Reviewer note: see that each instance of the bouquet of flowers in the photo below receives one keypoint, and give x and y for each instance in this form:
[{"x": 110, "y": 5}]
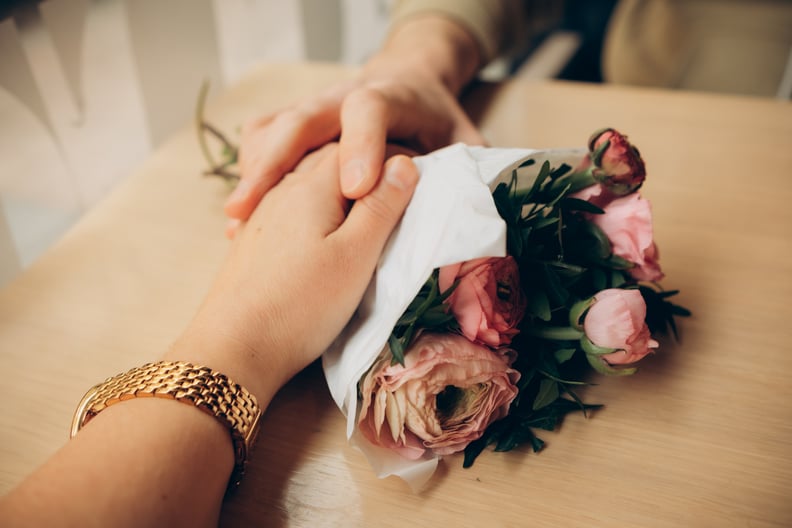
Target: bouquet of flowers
[
  {"x": 512, "y": 274},
  {"x": 492, "y": 345}
]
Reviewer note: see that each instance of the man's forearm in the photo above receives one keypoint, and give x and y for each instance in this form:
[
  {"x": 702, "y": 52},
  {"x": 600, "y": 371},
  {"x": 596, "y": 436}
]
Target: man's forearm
[{"x": 430, "y": 45}]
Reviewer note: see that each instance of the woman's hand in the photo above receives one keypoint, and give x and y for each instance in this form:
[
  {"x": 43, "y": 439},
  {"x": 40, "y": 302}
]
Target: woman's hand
[{"x": 296, "y": 272}]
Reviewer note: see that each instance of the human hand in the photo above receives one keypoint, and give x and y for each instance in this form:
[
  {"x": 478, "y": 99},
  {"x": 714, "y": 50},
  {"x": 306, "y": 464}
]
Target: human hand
[
  {"x": 418, "y": 112},
  {"x": 406, "y": 94},
  {"x": 297, "y": 270}
]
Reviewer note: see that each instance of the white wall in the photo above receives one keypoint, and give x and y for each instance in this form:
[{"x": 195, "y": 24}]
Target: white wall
[{"x": 89, "y": 87}]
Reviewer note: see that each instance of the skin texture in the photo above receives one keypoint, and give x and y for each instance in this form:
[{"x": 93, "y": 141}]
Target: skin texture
[
  {"x": 407, "y": 93},
  {"x": 264, "y": 319}
]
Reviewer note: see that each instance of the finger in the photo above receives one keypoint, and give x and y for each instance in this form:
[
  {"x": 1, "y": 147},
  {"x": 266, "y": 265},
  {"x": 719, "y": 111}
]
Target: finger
[
  {"x": 466, "y": 132},
  {"x": 274, "y": 155},
  {"x": 231, "y": 228},
  {"x": 313, "y": 159},
  {"x": 373, "y": 217},
  {"x": 364, "y": 129},
  {"x": 274, "y": 149}
]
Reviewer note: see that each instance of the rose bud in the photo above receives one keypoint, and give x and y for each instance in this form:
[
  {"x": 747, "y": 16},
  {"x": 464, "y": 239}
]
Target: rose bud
[
  {"x": 627, "y": 222},
  {"x": 617, "y": 163},
  {"x": 488, "y": 302},
  {"x": 616, "y": 320},
  {"x": 444, "y": 397}
]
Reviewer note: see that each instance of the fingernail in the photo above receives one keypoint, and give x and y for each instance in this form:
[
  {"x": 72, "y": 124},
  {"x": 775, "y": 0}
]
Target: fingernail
[
  {"x": 396, "y": 175},
  {"x": 231, "y": 228},
  {"x": 352, "y": 175}
]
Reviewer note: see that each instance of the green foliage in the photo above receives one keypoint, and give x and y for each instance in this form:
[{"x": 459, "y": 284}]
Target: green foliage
[
  {"x": 564, "y": 261},
  {"x": 427, "y": 311}
]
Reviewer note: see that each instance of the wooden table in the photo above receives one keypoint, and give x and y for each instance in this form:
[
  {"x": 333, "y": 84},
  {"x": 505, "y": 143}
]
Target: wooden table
[{"x": 700, "y": 437}]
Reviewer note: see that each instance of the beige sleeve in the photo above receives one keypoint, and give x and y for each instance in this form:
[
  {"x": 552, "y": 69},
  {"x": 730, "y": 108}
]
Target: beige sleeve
[{"x": 497, "y": 25}]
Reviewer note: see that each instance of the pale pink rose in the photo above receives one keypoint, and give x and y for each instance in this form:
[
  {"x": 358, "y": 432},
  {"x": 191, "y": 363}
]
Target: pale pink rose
[
  {"x": 627, "y": 222},
  {"x": 617, "y": 320},
  {"x": 620, "y": 168},
  {"x": 488, "y": 303},
  {"x": 444, "y": 397}
]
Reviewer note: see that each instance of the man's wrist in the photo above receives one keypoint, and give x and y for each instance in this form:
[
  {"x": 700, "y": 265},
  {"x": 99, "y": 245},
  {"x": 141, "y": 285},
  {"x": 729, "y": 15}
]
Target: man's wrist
[{"x": 430, "y": 45}]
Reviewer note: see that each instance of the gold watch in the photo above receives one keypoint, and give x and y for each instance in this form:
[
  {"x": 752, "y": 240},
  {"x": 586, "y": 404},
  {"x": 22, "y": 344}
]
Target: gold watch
[{"x": 210, "y": 391}]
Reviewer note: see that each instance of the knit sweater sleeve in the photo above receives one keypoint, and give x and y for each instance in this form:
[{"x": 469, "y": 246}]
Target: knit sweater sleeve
[{"x": 494, "y": 24}]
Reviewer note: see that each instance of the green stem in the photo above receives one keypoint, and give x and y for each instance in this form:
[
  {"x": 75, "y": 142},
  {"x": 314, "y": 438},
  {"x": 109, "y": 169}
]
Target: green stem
[
  {"x": 557, "y": 333},
  {"x": 199, "y": 123}
]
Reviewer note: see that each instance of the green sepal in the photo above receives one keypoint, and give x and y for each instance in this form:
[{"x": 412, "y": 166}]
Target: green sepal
[
  {"x": 577, "y": 311},
  {"x": 595, "y": 350},
  {"x": 596, "y": 154},
  {"x": 599, "y": 364}
]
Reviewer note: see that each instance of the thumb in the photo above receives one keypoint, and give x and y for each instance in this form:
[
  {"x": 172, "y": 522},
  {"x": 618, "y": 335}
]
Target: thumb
[{"x": 373, "y": 217}]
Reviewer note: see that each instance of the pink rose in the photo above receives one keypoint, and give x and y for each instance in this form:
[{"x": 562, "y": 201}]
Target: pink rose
[
  {"x": 488, "y": 302},
  {"x": 446, "y": 394},
  {"x": 618, "y": 166},
  {"x": 617, "y": 320},
  {"x": 627, "y": 222}
]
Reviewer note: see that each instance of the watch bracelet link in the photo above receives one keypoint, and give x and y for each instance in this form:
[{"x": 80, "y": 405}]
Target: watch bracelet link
[{"x": 210, "y": 391}]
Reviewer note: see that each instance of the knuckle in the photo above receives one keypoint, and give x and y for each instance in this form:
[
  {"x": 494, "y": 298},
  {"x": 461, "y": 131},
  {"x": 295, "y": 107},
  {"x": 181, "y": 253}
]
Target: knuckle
[
  {"x": 367, "y": 97},
  {"x": 380, "y": 208}
]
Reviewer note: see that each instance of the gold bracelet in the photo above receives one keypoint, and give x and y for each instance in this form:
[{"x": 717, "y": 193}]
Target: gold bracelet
[{"x": 207, "y": 390}]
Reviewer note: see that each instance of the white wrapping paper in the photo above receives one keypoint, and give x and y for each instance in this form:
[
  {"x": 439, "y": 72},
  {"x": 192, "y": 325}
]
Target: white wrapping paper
[{"x": 451, "y": 218}]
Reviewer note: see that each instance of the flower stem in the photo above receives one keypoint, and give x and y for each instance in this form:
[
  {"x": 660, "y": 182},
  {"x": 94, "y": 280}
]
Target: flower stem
[{"x": 557, "y": 333}]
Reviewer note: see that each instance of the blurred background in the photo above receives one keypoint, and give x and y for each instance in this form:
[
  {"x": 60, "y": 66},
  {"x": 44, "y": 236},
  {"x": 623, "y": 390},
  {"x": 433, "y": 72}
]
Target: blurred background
[{"x": 88, "y": 88}]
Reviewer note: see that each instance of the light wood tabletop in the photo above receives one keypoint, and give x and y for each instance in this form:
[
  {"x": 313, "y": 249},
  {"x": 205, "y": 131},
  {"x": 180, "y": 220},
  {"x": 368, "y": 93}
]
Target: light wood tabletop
[{"x": 701, "y": 436}]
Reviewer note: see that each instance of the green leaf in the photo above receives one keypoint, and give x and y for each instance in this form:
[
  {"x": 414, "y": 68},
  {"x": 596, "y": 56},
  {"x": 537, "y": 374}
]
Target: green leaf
[
  {"x": 617, "y": 279},
  {"x": 474, "y": 449},
  {"x": 435, "y": 316},
  {"x": 539, "y": 223},
  {"x": 548, "y": 393},
  {"x": 562, "y": 355},
  {"x": 578, "y": 182},
  {"x": 564, "y": 269},
  {"x": 598, "y": 280},
  {"x": 556, "y": 292},
  {"x": 522, "y": 195},
  {"x": 397, "y": 351},
  {"x": 603, "y": 247},
  {"x": 539, "y": 305},
  {"x": 560, "y": 171},
  {"x": 619, "y": 263}
]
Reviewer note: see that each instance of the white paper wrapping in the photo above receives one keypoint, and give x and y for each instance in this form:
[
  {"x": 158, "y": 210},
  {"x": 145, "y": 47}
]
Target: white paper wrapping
[{"x": 451, "y": 218}]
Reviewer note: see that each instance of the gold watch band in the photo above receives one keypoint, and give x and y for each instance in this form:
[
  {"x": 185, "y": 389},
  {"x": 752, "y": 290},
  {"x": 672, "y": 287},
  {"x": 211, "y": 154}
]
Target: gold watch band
[{"x": 202, "y": 387}]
